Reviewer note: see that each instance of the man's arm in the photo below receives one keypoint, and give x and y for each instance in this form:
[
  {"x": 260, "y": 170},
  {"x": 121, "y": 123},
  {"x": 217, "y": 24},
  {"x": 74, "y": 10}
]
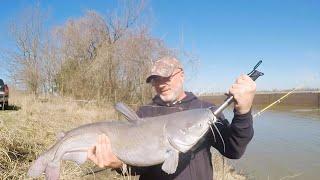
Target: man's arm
[{"x": 238, "y": 134}]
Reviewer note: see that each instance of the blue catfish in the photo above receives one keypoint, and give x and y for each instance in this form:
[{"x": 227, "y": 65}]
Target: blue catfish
[{"x": 137, "y": 142}]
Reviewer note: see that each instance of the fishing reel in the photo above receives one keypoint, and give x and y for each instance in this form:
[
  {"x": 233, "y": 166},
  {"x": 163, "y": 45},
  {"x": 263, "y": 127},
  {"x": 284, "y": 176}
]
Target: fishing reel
[{"x": 254, "y": 74}]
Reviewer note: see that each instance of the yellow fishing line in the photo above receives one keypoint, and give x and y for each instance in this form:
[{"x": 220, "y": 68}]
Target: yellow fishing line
[{"x": 275, "y": 102}]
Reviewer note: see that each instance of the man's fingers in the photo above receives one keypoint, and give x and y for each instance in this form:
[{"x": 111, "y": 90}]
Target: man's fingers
[
  {"x": 243, "y": 91},
  {"x": 238, "y": 80},
  {"x": 102, "y": 154},
  {"x": 99, "y": 152},
  {"x": 92, "y": 154},
  {"x": 237, "y": 88},
  {"x": 106, "y": 139},
  {"x": 103, "y": 147},
  {"x": 246, "y": 77}
]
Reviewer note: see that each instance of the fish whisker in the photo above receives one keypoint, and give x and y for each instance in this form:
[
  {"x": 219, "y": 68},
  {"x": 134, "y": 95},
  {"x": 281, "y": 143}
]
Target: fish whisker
[
  {"x": 224, "y": 146},
  {"x": 214, "y": 136}
]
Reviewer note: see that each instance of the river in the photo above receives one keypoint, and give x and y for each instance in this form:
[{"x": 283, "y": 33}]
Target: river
[{"x": 286, "y": 145}]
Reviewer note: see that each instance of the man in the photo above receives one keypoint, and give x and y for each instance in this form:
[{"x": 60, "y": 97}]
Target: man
[{"x": 167, "y": 79}]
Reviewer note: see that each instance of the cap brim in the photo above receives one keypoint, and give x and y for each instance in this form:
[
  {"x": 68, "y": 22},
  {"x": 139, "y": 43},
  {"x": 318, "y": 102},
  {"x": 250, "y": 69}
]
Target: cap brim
[
  {"x": 166, "y": 73},
  {"x": 148, "y": 80}
]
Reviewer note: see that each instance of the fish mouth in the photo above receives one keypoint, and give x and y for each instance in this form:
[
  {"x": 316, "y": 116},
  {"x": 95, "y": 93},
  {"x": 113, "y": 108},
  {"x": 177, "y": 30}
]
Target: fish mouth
[{"x": 184, "y": 147}]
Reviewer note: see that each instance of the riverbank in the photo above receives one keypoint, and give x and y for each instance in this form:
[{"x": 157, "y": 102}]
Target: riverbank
[{"x": 296, "y": 99}]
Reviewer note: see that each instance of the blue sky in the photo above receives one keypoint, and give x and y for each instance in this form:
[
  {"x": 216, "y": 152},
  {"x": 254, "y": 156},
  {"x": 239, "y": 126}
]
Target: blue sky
[{"x": 228, "y": 37}]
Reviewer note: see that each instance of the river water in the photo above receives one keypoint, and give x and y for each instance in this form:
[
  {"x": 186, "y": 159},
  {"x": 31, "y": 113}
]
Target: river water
[{"x": 286, "y": 145}]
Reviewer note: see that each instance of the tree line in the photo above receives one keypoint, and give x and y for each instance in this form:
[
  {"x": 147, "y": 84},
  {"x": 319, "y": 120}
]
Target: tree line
[{"x": 95, "y": 56}]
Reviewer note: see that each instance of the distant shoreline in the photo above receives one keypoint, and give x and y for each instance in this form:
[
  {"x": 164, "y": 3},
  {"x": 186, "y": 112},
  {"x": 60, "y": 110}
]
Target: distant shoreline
[{"x": 299, "y": 98}]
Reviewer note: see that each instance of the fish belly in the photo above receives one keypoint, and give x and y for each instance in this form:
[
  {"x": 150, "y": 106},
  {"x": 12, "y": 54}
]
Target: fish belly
[{"x": 138, "y": 146}]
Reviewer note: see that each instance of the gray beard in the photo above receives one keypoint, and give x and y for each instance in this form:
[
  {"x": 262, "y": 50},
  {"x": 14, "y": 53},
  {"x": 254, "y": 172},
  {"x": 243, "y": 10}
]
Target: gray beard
[{"x": 173, "y": 97}]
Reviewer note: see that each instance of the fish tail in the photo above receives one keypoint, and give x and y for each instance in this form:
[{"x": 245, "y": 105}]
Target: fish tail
[
  {"x": 53, "y": 171},
  {"x": 40, "y": 165}
]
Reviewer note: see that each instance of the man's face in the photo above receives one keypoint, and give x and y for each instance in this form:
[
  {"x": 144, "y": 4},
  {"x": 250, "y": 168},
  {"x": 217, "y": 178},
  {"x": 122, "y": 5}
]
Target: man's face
[{"x": 169, "y": 88}]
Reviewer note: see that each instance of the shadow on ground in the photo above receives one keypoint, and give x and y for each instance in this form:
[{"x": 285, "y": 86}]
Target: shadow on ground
[{"x": 11, "y": 107}]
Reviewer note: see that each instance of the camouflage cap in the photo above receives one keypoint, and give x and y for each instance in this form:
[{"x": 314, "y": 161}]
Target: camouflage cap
[{"x": 163, "y": 67}]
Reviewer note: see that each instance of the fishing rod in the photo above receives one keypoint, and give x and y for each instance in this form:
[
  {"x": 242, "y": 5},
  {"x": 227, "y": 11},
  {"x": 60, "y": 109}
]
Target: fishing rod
[
  {"x": 254, "y": 74},
  {"x": 275, "y": 102},
  {"x": 283, "y": 97}
]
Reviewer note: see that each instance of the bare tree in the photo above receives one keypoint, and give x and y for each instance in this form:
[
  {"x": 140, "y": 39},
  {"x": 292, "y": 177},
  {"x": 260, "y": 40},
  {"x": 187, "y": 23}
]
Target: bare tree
[
  {"x": 50, "y": 65},
  {"x": 78, "y": 41},
  {"x": 27, "y": 33},
  {"x": 91, "y": 57},
  {"x": 107, "y": 58}
]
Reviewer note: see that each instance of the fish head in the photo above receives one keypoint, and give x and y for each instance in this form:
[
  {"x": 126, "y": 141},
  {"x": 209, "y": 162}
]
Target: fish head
[{"x": 187, "y": 133}]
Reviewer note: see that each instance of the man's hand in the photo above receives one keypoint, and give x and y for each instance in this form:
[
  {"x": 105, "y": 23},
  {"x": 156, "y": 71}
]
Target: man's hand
[
  {"x": 102, "y": 155},
  {"x": 243, "y": 91}
]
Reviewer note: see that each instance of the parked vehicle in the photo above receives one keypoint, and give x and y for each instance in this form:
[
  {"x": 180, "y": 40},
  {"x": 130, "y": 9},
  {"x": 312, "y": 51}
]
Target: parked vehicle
[{"x": 4, "y": 95}]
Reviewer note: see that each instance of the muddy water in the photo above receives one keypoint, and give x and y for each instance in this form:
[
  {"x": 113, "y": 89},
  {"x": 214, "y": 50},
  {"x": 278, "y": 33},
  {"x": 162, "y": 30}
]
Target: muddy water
[{"x": 286, "y": 145}]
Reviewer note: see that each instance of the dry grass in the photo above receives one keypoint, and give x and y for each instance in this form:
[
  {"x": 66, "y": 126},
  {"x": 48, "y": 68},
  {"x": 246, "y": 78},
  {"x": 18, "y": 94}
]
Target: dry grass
[
  {"x": 28, "y": 131},
  {"x": 223, "y": 170},
  {"x": 31, "y": 129}
]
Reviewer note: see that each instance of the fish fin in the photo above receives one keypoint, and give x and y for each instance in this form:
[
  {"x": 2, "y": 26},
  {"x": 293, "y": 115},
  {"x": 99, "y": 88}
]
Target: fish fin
[
  {"x": 53, "y": 171},
  {"x": 129, "y": 113},
  {"x": 60, "y": 135},
  {"x": 174, "y": 145},
  {"x": 170, "y": 164},
  {"x": 79, "y": 157}
]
